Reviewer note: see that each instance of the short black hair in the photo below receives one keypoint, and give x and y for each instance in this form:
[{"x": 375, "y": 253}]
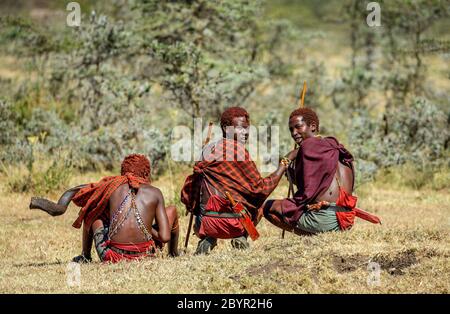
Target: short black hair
[{"x": 309, "y": 116}]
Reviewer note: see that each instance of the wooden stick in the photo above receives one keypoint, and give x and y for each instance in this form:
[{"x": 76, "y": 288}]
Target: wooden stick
[
  {"x": 302, "y": 97},
  {"x": 208, "y": 137},
  {"x": 302, "y": 104},
  {"x": 191, "y": 218}
]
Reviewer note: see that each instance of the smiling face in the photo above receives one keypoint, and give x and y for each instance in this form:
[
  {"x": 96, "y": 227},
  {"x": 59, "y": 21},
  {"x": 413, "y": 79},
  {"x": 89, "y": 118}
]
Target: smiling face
[
  {"x": 240, "y": 127},
  {"x": 300, "y": 130}
]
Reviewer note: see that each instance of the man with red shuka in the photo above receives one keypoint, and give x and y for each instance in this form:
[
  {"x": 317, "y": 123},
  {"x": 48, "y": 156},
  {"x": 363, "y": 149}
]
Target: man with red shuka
[
  {"x": 324, "y": 175},
  {"x": 118, "y": 212},
  {"x": 226, "y": 166}
]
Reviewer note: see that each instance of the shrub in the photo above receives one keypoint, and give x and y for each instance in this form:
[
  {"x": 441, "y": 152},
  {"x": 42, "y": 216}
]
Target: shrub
[
  {"x": 55, "y": 177},
  {"x": 8, "y": 127},
  {"x": 41, "y": 176},
  {"x": 411, "y": 176},
  {"x": 415, "y": 135}
]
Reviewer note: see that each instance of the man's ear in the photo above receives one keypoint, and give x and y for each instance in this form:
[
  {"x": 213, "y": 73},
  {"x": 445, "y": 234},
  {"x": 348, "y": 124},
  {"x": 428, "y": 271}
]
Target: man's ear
[{"x": 313, "y": 127}]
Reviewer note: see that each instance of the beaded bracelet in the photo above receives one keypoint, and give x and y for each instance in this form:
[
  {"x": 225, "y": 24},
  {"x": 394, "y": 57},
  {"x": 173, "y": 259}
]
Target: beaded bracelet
[{"x": 285, "y": 161}]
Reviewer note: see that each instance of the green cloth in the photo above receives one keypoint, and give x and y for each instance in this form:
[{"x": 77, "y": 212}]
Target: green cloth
[{"x": 323, "y": 220}]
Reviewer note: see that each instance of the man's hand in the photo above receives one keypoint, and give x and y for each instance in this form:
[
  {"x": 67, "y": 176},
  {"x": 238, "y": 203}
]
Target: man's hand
[
  {"x": 318, "y": 206},
  {"x": 81, "y": 259}
]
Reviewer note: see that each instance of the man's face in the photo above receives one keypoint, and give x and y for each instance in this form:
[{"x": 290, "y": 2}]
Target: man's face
[
  {"x": 241, "y": 128},
  {"x": 300, "y": 130}
]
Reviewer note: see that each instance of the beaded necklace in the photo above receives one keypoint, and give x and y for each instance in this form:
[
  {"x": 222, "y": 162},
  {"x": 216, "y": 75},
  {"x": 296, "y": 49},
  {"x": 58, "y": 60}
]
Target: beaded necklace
[{"x": 116, "y": 225}]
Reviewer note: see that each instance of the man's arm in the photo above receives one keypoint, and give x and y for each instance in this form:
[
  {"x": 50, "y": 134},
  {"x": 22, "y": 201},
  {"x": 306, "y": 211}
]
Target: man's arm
[
  {"x": 56, "y": 209},
  {"x": 269, "y": 183},
  {"x": 88, "y": 237},
  {"x": 163, "y": 232},
  {"x": 277, "y": 174}
]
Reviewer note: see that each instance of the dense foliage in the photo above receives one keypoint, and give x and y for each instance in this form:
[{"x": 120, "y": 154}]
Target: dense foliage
[{"x": 136, "y": 68}]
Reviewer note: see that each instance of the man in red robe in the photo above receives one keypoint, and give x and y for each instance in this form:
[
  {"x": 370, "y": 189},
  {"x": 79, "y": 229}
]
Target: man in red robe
[
  {"x": 226, "y": 167},
  {"x": 118, "y": 214},
  {"x": 324, "y": 175}
]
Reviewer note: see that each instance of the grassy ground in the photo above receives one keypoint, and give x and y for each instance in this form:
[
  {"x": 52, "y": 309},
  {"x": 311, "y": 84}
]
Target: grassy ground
[{"x": 411, "y": 248}]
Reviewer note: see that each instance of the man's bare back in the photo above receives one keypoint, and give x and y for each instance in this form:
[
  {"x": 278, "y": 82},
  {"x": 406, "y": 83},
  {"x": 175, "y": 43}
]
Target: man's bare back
[
  {"x": 150, "y": 204},
  {"x": 345, "y": 175}
]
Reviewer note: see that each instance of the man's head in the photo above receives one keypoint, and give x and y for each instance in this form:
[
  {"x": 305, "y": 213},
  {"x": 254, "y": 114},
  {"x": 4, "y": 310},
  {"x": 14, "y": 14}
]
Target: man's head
[
  {"x": 238, "y": 119},
  {"x": 137, "y": 164},
  {"x": 303, "y": 123}
]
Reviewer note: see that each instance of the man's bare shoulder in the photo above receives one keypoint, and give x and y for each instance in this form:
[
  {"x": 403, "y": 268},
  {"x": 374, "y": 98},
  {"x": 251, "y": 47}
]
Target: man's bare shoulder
[{"x": 150, "y": 189}]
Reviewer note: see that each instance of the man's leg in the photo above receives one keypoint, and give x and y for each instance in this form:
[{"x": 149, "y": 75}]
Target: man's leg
[
  {"x": 172, "y": 216},
  {"x": 241, "y": 242},
  {"x": 273, "y": 212},
  {"x": 206, "y": 245},
  {"x": 100, "y": 234}
]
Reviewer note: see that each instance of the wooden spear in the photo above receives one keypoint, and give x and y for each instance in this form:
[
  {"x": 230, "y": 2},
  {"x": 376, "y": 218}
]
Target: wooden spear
[{"x": 291, "y": 187}]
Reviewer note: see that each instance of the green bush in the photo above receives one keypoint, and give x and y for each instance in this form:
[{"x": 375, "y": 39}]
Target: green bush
[
  {"x": 18, "y": 179},
  {"x": 417, "y": 133},
  {"x": 41, "y": 180},
  {"x": 411, "y": 176},
  {"x": 416, "y": 136},
  {"x": 54, "y": 178},
  {"x": 441, "y": 180},
  {"x": 8, "y": 126}
]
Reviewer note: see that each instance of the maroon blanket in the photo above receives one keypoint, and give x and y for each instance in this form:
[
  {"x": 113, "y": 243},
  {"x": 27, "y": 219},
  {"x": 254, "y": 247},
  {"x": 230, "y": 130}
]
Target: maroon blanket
[{"x": 315, "y": 167}]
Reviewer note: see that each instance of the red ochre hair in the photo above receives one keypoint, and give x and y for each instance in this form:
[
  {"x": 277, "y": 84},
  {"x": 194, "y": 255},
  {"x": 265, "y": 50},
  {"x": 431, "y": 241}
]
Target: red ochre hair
[
  {"x": 227, "y": 116},
  {"x": 137, "y": 164},
  {"x": 309, "y": 116}
]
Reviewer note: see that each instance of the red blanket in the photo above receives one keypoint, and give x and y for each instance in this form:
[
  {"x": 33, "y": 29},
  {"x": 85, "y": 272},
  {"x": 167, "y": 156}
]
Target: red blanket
[
  {"x": 94, "y": 198},
  {"x": 221, "y": 228},
  {"x": 239, "y": 176}
]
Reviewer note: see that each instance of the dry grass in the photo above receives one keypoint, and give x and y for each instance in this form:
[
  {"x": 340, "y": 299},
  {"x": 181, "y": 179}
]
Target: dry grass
[
  {"x": 9, "y": 68},
  {"x": 411, "y": 248}
]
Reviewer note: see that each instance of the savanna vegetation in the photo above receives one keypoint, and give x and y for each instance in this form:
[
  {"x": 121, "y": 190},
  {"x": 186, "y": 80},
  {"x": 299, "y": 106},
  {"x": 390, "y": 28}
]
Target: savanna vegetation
[{"x": 75, "y": 100}]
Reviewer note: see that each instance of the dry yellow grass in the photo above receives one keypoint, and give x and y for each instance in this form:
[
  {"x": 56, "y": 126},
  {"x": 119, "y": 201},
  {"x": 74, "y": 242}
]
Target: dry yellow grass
[
  {"x": 9, "y": 68},
  {"x": 411, "y": 248}
]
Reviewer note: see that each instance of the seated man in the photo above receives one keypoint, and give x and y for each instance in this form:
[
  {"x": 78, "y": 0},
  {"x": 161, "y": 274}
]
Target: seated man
[
  {"x": 226, "y": 167},
  {"x": 324, "y": 175},
  {"x": 118, "y": 213}
]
